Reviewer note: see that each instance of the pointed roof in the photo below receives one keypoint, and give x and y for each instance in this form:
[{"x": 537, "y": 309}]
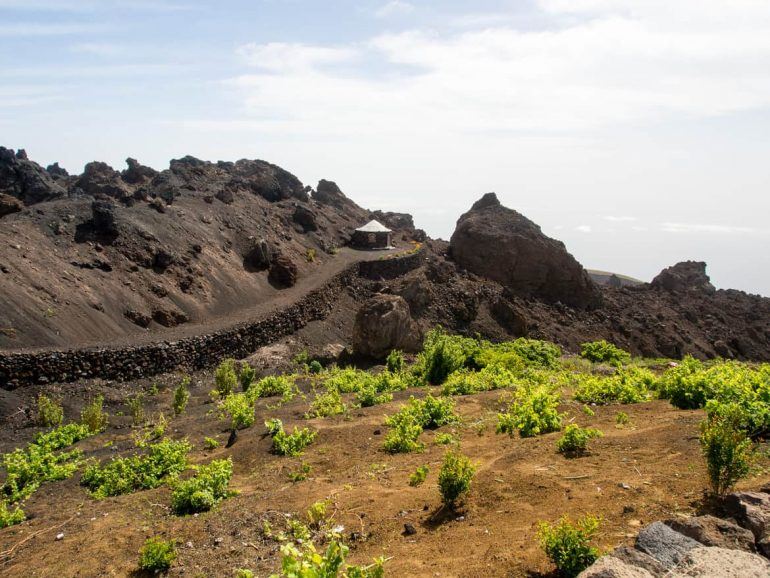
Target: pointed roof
[{"x": 374, "y": 227}]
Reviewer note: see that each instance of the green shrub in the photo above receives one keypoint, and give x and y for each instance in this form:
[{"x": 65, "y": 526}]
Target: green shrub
[
  {"x": 271, "y": 386},
  {"x": 537, "y": 353},
  {"x": 315, "y": 367},
  {"x": 604, "y": 352},
  {"x": 326, "y": 405},
  {"x": 225, "y": 379},
  {"x": 347, "y": 380},
  {"x": 309, "y": 563},
  {"x": 157, "y": 555},
  {"x": 395, "y": 361},
  {"x": 244, "y": 573},
  {"x": 629, "y": 385},
  {"x": 534, "y": 412},
  {"x": 574, "y": 442},
  {"x": 369, "y": 396},
  {"x": 728, "y": 451},
  {"x": 93, "y": 415},
  {"x": 444, "y": 439},
  {"x": 41, "y": 461},
  {"x": 568, "y": 546},
  {"x": 210, "y": 443},
  {"x": 238, "y": 409},
  {"x": 454, "y": 477},
  {"x": 417, "y": 478},
  {"x": 246, "y": 376},
  {"x": 10, "y": 517},
  {"x": 621, "y": 418},
  {"x": 301, "y": 474},
  {"x": 292, "y": 444},
  {"x": 444, "y": 354},
  {"x": 402, "y": 438},
  {"x": 204, "y": 490},
  {"x": 119, "y": 476},
  {"x": 465, "y": 381},
  {"x": 136, "y": 407},
  {"x": 181, "y": 396},
  {"x": 408, "y": 423},
  {"x": 49, "y": 412}
]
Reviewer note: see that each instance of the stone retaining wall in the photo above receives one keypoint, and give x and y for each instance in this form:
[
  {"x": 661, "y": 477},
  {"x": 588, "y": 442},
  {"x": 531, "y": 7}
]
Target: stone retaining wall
[
  {"x": 392, "y": 267},
  {"x": 19, "y": 369}
]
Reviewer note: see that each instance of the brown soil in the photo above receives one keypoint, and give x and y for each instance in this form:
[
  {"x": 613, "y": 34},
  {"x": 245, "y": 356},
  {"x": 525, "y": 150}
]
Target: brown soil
[{"x": 646, "y": 471}]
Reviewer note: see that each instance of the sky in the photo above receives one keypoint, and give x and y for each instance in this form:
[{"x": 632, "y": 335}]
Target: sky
[{"x": 636, "y": 131}]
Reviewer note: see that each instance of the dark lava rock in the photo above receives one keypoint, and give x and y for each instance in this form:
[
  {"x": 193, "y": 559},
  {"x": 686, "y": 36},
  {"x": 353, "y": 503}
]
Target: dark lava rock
[
  {"x": 409, "y": 530},
  {"x": 394, "y": 221},
  {"x": 137, "y": 318},
  {"x": 664, "y": 544},
  {"x": 26, "y": 180},
  {"x": 712, "y": 531},
  {"x": 138, "y": 174},
  {"x": 509, "y": 317},
  {"x": 283, "y": 272},
  {"x": 259, "y": 256},
  {"x": 99, "y": 178},
  {"x": 384, "y": 323},
  {"x": 306, "y": 218},
  {"x": 169, "y": 318},
  {"x": 226, "y": 196},
  {"x": 163, "y": 259},
  {"x": 500, "y": 244},
  {"x": 328, "y": 193},
  {"x": 9, "y": 204},
  {"x": 56, "y": 171},
  {"x": 685, "y": 276},
  {"x": 104, "y": 219}
]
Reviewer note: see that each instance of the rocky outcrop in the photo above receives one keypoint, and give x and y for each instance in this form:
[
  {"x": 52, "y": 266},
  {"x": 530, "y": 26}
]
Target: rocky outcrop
[
  {"x": 283, "y": 272},
  {"x": 100, "y": 179},
  {"x": 721, "y": 563},
  {"x": 258, "y": 256},
  {"x": 328, "y": 193},
  {"x": 104, "y": 220},
  {"x": 305, "y": 218},
  {"x": 713, "y": 531},
  {"x": 498, "y": 243},
  {"x": 382, "y": 324},
  {"x": 682, "y": 277},
  {"x": 137, "y": 174},
  {"x": 25, "y": 179},
  {"x": 664, "y": 544},
  {"x": 9, "y": 204}
]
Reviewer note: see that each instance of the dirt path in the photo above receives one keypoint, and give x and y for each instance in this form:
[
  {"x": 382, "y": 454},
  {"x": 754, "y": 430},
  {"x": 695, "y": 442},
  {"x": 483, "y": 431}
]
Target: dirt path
[{"x": 275, "y": 299}]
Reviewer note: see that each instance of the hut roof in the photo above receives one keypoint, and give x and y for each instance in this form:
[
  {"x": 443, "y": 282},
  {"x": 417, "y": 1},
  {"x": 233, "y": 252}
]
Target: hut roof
[{"x": 374, "y": 227}]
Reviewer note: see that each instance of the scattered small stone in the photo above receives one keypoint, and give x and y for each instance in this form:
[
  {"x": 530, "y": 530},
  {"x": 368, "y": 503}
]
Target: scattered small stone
[
  {"x": 60, "y": 536},
  {"x": 409, "y": 530}
]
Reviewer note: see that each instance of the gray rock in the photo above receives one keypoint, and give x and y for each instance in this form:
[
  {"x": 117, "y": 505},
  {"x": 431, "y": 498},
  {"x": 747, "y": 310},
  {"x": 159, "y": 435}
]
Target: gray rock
[
  {"x": 634, "y": 557},
  {"x": 385, "y": 323},
  {"x": 712, "y": 531},
  {"x": 706, "y": 562},
  {"x": 305, "y": 218},
  {"x": 611, "y": 567},
  {"x": 751, "y": 510},
  {"x": 259, "y": 256},
  {"x": 664, "y": 544}
]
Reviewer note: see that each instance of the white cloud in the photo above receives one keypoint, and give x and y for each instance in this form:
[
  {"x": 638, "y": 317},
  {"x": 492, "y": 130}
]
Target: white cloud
[
  {"x": 22, "y": 29},
  {"x": 288, "y": 59},
  {"x": 394, "y": 8},
  {"x": 614, "y": 219},
  {"x": 701, "y": 228},
  {"x": 584, "y": 228}
]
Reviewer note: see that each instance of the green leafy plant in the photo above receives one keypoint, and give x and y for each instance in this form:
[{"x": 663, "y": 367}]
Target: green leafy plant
[
  {"x": 238, "y": 408},
  {"x": 307, "y": 562},
  {"x": 575, "y": 440},
  {"x": 203, "y": 491},
  {"x": 315, "y": 367},
  {"x": 49, "y": 412},
  {"x": 568, "y": 545},
  {"x": 402, "y": 438},
  {"x": 533, "y": 412},
  {"x": 728, "y": 451},
  {"x": 136, "y": 407},
  {"x": 629, "y": 385},
  {"x": 310, "y": 255},
  {"x": 444, "y": 439},
  {"x": 271, "y": 386},
  {"x": 604, "y": 352},
  {"x": 395, "y": 361},
  {"x": 444, "y": 354},
  {"x": 454, "y": 477},
  {"x": 157, "y": 555},
  {"x": 326, "y": 404},
  {"x": 93, "y": 415},
  {"x": 292, "y": 444},
  {"x": 210, "y": 443},
  {"x": 119, "y": 476},
  {"x": 300, "y": 474},
  {"x": 10, "y": 517},
  {"x": 181, "y": 396},
  {"x": 225, "y": 379},
  {"x": 417, "y": 478},
  {"x": 537, "y": 353},
  {"x": 317, "y": 513},
  {"x": 244, "y": 573},
  {"x": 621, "y": 419},
  {"x": 246, "y": 376}
]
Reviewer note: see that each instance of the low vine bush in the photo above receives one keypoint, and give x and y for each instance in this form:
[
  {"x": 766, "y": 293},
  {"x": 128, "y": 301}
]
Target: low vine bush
[
  {"x": 181, "y": 396},
  {"x": 93, "y": 415},
  {"x": 410, "y": 421},
  {"x": 239, "y": 409},
  {"x": 204, "y": 490},
  {"x": 575, "y": 440},
  {"x": 305, "y": 561},
  {"x": 568, "y": 545},
  {"x": 157, "y": 555},
  {"x": 285, "y": 444},
  {"x": 533, "y": 412},
  {"x": 629, "y": 385},
  {"x": 49, "y": 412},
  {"x": 225, "y": 379},
  {"x": 162, "y": 460},
  {"x": 455, "y": 477},
  {"x": 604, "y": 352},
  {"x": 728, "y": 451}
]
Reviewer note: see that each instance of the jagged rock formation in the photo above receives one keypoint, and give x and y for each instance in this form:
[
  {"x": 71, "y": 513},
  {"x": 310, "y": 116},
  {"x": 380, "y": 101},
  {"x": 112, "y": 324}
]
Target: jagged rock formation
[
  {"x": 685, "y": 276},
  {"x": 25, "y": 179},
  {"x": 500, "y": 244},
  {"x": 385, "y": 323}
]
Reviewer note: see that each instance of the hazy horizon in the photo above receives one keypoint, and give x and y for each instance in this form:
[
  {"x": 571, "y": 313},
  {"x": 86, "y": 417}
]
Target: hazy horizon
[{"x": 635, "y": 131}]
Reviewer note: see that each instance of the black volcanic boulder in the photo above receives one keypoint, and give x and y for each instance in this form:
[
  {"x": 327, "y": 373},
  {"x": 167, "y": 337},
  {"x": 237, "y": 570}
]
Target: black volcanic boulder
[
  {"x": 385, "y": 323},
  {"x": 25, "y": 179},
  {"x": 305, "y": 218},
  {"x": 56, "y": 171},
  {"x": 283, "y": 272},
  {"x": 9, "y": 204},
  {"x": 99, "y": 179},
  {"x": 684, "y": 276},
  {"x": 258, "y": 256},
  {"x": 328, "y": 193},
  {"x": 137, "y": 173},
  {"x": 498, "y": 243},
  {"x": 103, "y": 218}
]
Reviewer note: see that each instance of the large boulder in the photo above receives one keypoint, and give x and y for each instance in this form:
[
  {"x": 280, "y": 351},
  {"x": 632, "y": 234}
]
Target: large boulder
[
  {"x": 305, "y": 218},
  {"x": 25, "y": 179},
  {"x": 100, "y": 179},
  {"x": 104, "y": 220},
  {"x": 498, "y": 243},
  {"x": 713, "y": 531},
  {"x": 684, "y": 276},
  {"x": 258, "y": 256},
  {"x": 610, "y": 567},
  {"x": 9, "y": 204},
  {"x": 137, "y": 173},
  {"x": 721, "y": 563},
  {"x": 664, "y": 544},
  {"x": 328, "y": 193},
  {"x": 382, "y": 324},
  {"x": 283, "y": 272},
  {"x": 752, "y": 511}
]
